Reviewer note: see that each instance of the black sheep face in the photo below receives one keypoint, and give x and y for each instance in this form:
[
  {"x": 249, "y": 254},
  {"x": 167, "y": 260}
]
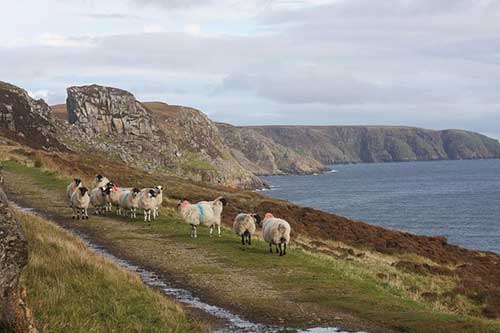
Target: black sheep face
[
  {"x": 99, "y": 177},
  {"x": 77, "y": 181},
  {"x": 257, "y": 218},
  {"x": 152, "y": 193},
  {"x": 83, "y": 190}
]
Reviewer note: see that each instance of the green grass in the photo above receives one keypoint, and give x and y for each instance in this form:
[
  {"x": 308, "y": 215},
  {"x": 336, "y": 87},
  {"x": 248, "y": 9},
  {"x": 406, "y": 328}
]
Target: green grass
[
  {"x": 306, "y": 278},
  {"x": 71, "y": 289}
]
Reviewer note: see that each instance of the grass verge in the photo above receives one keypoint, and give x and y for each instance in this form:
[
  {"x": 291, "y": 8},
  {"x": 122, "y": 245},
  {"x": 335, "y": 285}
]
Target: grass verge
[{"x": 72, "y": 289}]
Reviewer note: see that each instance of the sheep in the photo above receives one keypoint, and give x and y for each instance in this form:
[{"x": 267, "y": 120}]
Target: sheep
[
  {"x": 147, "y": 202},
  {"x": 244, "y": 226},
  {"x": 80, "y": 201},
  {"x": 115, "y": 195},
  {"x": 159, "y": 200},
  {"x": 75, "y": 183},
  {"x": 100, "y": 181},
  {"x": 98, "y": 199},
  {"x": 276, "y": 232},
  {"x": 130, "y": 201},
  {"x": 206, "y": 213}
]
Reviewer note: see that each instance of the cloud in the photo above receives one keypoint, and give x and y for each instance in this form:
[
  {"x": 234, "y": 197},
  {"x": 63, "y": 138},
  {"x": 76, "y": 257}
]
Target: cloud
[{"x": 426, "y": 63}]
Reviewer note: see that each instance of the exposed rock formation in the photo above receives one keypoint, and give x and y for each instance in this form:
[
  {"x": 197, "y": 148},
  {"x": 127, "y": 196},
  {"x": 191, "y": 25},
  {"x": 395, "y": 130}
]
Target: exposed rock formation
[
  {"x": 27, "y": 120},
  {"x": 342, "y": 144},
  {"x": 180, "y": 140},
  {"x": 14, "y": 316},
  {"x": 263, "y": 156}
]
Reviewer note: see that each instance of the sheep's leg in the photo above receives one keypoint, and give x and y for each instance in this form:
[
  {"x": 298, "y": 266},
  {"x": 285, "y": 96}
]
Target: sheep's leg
[
  {"x": 270, "y": 248},
  {"x": 284, "y": 250},
  {"x": 195, "y": 232},
  {"x": 276, "y": 248},
  {"x": 74, "y": 213},
  {"x": 249, "y": 239},
  {"x": 243, "y": 239},
  {"x": 218, "y": 229},
  {"x": 281, "y": 249},
  {"x": 211, "y": 230},
  {"x": 192, "y": 231},
  {"x": 145, "y": 216},
  {"x": 86, "y": 213}
]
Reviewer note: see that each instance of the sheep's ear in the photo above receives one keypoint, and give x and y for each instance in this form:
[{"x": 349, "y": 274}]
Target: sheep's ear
[{"x": 223, "y": 200}]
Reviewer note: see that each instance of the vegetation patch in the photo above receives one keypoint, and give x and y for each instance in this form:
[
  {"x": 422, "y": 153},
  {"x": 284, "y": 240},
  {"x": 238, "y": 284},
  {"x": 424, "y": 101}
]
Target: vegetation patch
[{"x": 72, "y": 289}]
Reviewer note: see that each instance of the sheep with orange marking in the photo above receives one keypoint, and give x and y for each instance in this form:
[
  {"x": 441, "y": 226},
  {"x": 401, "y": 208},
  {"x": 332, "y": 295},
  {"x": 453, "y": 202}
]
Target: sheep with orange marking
[{"x": 276, "y": 232}]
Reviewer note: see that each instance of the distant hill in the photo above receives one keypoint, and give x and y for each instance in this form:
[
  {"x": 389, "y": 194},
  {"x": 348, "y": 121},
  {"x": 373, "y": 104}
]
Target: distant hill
[{"x": 345, "y": 144}]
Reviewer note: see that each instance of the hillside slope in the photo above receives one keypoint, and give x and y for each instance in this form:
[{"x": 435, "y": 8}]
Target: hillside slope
[
  {"x": 341, "y": 144},
  {"x": 263, "y": 156}
]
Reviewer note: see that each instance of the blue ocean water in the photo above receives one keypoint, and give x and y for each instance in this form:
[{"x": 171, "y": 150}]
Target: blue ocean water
[{"x": 456, "y": 199}]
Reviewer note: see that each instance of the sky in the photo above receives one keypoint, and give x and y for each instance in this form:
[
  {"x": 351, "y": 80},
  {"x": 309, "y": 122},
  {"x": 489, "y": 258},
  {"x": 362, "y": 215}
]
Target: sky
[{"x": 426, "y": 63}]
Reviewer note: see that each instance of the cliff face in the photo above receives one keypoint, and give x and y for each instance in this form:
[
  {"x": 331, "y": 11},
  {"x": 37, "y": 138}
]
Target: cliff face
[
  {"x": 179, "y": 140},
  {"x": 342, "y": 144},
  {"x": 263, "y": 156},
  {"x": 27, "y": 120}
]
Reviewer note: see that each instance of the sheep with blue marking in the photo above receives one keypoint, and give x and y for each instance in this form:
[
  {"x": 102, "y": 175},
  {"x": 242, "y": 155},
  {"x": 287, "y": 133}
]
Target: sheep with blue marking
[{"x": 207, "y": 213}]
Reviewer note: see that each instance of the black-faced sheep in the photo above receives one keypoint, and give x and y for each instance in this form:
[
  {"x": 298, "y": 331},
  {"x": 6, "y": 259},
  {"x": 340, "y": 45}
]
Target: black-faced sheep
[
  {"x": 244, "y": 225},
  {"x": 75, "y": 183},
  {"x": 79, "y": 202}
]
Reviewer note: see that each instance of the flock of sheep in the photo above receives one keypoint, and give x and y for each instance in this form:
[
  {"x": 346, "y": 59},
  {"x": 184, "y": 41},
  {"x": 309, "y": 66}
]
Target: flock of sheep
[{"x": 105, "y": 195}]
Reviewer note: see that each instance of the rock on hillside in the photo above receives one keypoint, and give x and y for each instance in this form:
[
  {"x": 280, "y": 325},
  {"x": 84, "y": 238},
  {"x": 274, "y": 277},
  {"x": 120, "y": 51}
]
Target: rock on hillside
[
  {"x": 27, "y": 120},
  {"x": 177, "y": 140},
  {"x": 199, "y": 148},
  {"x": 14, "y": 316},
  {"x": 342, "y": 144},
  {"x": 263, "y": 156}
]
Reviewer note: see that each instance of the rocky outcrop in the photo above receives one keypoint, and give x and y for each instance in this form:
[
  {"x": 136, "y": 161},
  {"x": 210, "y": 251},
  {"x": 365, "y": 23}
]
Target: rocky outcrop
[
  {"x": 182, "y": 141},
  {"x": 199, "y": 148},
  {"x": 26, "y": 120},
  {"x": 346, "y": 144},
  {"x": 263, "y": 156},
  {"x": 14, "y": 315}
]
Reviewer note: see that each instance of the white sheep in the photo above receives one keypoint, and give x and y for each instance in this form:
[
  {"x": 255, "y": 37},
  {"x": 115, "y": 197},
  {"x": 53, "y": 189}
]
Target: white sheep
[
  {"x": 244, "y": 225},
  {"x": 147, "y": 202},
  {"x": 75, "y": 183},
  {"x": 98, "y": 199},
  {"x": 206, "y": 213},
  {"x": 159, "y": 201},
  {"x": 115, "y": 196},
  {"x": 100, "y": 181},
  {"x": 130, "y": 201},
  {"x": 276, "y": 232},
  {"x": 79, "y": 202}
]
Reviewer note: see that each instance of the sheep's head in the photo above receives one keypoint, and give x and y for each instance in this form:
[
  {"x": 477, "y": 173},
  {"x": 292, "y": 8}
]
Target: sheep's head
[
  {"x": 135, "y": 191},
  {"x": 77, "y": 181},
  {"x": 99, "y": 177},
  {"x": 83, "y": 190},
  {"x": 159, "y": 188},
  {"x": 104, "y": 190},
  {"x": 223, "y": 200},
  {"x": 152, "y": 193},
  {"x": 257, "y": 219}
]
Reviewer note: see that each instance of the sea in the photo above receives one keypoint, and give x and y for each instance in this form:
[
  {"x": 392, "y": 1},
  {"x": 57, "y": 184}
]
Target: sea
[{"x": 456, "y": 199}]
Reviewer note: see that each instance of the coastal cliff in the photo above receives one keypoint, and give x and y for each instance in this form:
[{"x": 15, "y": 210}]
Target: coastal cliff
[
  {"x": 346, "y": 144},
  {"x": 153, "y": 136}
]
